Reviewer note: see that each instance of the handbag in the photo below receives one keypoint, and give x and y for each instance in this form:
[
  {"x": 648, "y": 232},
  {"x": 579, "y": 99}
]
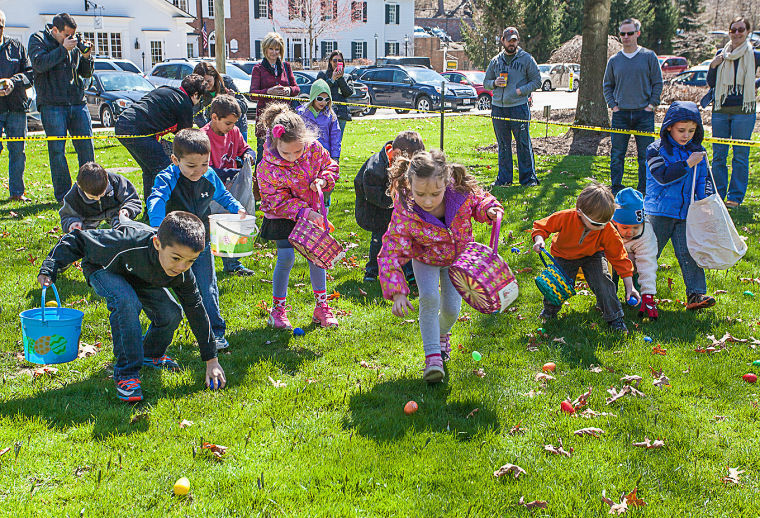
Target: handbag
[{"x": 711, "y": 236}]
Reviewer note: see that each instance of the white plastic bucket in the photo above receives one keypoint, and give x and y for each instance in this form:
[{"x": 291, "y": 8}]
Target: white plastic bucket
[{"x": 232, "y": 236}]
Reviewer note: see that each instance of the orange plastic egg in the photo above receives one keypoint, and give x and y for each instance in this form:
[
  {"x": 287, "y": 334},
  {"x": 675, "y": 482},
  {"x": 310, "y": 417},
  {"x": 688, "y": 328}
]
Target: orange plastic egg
[{"x": 410, "y": 408}]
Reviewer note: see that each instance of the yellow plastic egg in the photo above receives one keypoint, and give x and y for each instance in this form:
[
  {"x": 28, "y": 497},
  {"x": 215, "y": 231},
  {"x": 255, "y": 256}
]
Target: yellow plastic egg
[
  {"x": 182, "y": 486},
  {"x": 51, "y": 304}
]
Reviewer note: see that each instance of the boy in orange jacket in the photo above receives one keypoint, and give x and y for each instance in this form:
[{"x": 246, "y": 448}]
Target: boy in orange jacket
[{"x": 585, "y": 237}]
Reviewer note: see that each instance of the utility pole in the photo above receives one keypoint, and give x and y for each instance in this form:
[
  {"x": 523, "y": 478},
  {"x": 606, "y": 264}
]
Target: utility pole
[{"x": 221, "y": 39}]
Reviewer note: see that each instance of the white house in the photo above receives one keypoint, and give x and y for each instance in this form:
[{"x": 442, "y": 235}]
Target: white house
[
  {"x": 144, "y": 31},
  {"x": 372, "y": 28}
]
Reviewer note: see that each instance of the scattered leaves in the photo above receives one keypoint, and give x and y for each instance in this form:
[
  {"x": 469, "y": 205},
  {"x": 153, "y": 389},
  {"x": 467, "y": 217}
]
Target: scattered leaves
[
  {"x": 277, "y": 383},
  {"x": 582, "y": 400},
  {"x": 657, "y": 349},
  {"x": 535, "y": 503},
  {"x": 733, "y": 476},
  {"x": 627, "y": 389},
  {"x": 544, "y": 377},
  {"x": 517, "y": 429},
  {"x": 480, "y": 373},
  {"x": 594, "y": 432},
  {"x": 215, "y": 450},
  {"x": 509, "y": 468},
  {"x": 44, "y": 371},
  {"x": 558, "y": 450},
  {"x": 631, "y": 380},
  {"x": 649, "y": 445},
  {"x": 625, "y": 500},
  {"x": 185, "y": 423}
]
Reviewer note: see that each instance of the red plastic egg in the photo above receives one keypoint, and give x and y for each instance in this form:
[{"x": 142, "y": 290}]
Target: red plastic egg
[
  {"x": 567, "y": 407},
  {"x": 750, "y": 378},
  {"x": 549, "y": 367},
  {"x": 410, "y": 408}
]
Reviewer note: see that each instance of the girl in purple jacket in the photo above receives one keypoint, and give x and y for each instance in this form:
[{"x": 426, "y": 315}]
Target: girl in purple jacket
[{"x": 319, "y": 115}]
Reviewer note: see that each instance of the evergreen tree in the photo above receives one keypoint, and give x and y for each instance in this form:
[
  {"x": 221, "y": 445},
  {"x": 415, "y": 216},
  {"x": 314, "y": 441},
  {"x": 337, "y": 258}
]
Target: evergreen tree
[
  {"x": 690, "y": 11},
  {"x": 622, "y": 9},
  {"x": 658, "y": 34},
  {"x": 571, "y": 19},
  {"x": 540, "y": 34}
]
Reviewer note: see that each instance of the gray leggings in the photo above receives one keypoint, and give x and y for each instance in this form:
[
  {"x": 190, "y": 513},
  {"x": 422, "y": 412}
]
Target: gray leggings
[{"x": 439, "y": 310}]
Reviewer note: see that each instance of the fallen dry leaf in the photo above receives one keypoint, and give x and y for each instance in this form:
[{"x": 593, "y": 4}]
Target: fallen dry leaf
[
  {"x": 4, "y": 451},
  {"x": 625, "y": 500},
  {"x": 465, "y": 317},
  {"x": 631, "y": 380},
  {"x": 649, "y": 445},
  {"x": 480, "y": 373},
  {"x": 633, "y": 500},
  {"x": 472, "y": 413},
  {"x": 43, "y": 371},
  {"x": 517, "y": 429},
  {"x": 215, "y": 450},
  {"x": 558, "y": 450},
  {"x": 533, "y": 393},
  {"x": 368, "y": 366},
  {"x": 594, "y": 432},
  {"x": 719, "y": 292},
  {"x": 137, "y": 418},
  {"x": 86, "y": 350},
  {"x": 535, "y": 503},
  {"x": 627, "y": 389},
  {"x": 362, "y": 292},
  {"x": 185, "y": 423},
  {"x": 509, "y": 468},
  {"x": 588, "y": 414},
  {"x": 657, "y": 349},
  {"x": 595, "y": 369},
  {"x": 560, "y": 339},
  {"x": 334, "y": 295},
  {"x": 732, "y": 477},
  {"x": 542, "y": 376},
  {"x": 277, "y": 383},
  {"x": 582, "y": 400}
]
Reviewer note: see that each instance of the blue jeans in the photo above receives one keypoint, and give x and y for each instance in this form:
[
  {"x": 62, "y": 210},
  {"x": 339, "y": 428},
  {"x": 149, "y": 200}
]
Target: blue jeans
[
  {"x": 504, "y": 131},
  {"x": 673, "y": 229},
  {"x": 58, "y": 121},
  {"x": 147, "y": 152},
  {"x": 737, "y": 126},
  {"x": 342, "y": 126},
  {"x": 638, "y": 120},
  {"x": 124, "y": 302},
  {"x": 14, "y": 124},
  {"x": 205, "y": 277}
]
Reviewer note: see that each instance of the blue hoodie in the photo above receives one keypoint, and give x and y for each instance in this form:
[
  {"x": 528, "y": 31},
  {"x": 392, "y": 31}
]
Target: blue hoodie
[{"x": 669, "y": 178}]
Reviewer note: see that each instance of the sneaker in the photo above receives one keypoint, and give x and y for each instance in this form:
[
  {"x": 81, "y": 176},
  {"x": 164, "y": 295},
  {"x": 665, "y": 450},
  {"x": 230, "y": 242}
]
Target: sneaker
[
  {"x": 545, "y": 315},
  {"x": 446, "y": 347},
  {"x": 21, "y": 197},
  {"x": 241, "y": 271},
  {"x": 532, "y": 184},
  {"x": 369, "y": 277},
  {"x": 221, "y": 343},
  {"x": 129, "y": 390},
  {"x": 618, "y": 325},
  {"x": 163, "y": 362},
  {"x": 433, "y": 369},
  {"x": 278, "y": 317},
  {"x": 323, "y": 316},
  {"x": 648, "y": 307},
  {"x": 699, "y": 301},
  {"x": 731, "y": 204}
]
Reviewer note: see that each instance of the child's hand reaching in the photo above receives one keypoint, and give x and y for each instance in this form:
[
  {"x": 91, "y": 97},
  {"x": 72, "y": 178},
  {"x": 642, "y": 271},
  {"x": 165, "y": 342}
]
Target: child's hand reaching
[
  {"x": 44, "y": 280},
  {"x": 538, "y": 244},
  {"x": 630, "y": 291},
  {"x": 493, "y": 212},
  {"x": 215, "y": 378},
  {"x": 242, "y": 213},
  {"x": 401, "y": 305},
  {"x": 696, "y": 158},
  {"x": 318, "y": 181}
]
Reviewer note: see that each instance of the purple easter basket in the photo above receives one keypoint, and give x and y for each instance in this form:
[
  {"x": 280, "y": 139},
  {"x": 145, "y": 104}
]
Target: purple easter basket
[
  {"x": 482, "y": 277},
  {"x": 315, "y": 243}
]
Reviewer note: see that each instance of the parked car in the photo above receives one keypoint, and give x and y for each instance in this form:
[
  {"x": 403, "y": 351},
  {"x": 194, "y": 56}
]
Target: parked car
[
  {"x": 305, "y": 78},
  {"x": 421, "y": 61},
  {"x": 695, "y": 76},
  {"x": 125, "y": 65},
  {"x": 440, "y": 33},
  {"x": 415, "y": 87},
  {"x": 173, "y": 71},
  {"x": 246, "y": 66},
  {"x": 672, "y": 64},
  {"x": 557, "y": 75},
  {"x": 33, "y": 117},
  {"x": 112, "y": 92},
  {"x": 419, "y": 32},
  {"x": 473, "y": 78}
]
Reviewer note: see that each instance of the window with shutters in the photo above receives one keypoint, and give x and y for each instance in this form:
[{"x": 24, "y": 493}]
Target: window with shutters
[
  {"x": 358, "y": 50},
  {"x": 391, "y": 48},
  {"x": 262, "y": 8},
  {"x": 182, "y": 4},
  {"x": 359, "y": 12},
  {"x": 329, "y": 9},
  {"x": 327, "y": 47},
  {"x": 211, "y": 8},
  {"x": 392, "y": 14},
  {"x": 257, "y": 49}
]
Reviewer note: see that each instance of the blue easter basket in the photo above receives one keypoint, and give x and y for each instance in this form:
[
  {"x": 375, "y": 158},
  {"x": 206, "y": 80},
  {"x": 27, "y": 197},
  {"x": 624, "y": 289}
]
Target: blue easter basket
[
  {"x": 552, "y": 281},
  {"x": 51, "y": 335}
]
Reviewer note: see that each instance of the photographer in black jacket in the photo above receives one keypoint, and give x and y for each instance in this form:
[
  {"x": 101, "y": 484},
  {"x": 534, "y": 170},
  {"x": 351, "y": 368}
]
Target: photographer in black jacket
[
  {"x": 15, "y": 77},
  {"x": 61, "y": 62}
]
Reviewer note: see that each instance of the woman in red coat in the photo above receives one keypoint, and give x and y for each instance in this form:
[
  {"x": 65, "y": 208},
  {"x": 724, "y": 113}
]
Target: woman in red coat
[{"x": 273, "y": 76}]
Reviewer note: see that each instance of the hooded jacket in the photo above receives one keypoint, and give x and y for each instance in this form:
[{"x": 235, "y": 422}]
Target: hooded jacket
[
  {"x": 522, "y": 73},
  {"x": 325, "y": 122},
  {"x": 129, "y": 251},
  {"x": 15, "y": 64},
  {"x": 669, "y": 178},
  {"x": 58, "y": 74},
  {"x": 78, "y": 208},
  {"x": 416, "y": 234},
  {"x": 373, "y": 208},
  {"x": 285, "y": 192},
  {"x": 341, "y": 90}
]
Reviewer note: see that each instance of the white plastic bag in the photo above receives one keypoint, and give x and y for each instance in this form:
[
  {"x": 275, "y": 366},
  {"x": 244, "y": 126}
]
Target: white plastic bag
[
  {"x": 711, "y": 235},
  {"x": 241, "y": 188}
]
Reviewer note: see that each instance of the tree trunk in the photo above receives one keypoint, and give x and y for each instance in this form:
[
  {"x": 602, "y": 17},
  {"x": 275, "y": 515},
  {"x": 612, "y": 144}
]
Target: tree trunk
[
  {"x": 592, "y": 109},
  {"x": 441, "y": 9}
]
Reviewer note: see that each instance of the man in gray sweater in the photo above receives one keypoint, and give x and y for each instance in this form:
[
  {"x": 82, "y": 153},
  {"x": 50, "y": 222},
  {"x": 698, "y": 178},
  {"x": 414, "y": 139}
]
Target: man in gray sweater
[
  {"x": 512, "y": 75},
  {"x": 632, "y": 87}
]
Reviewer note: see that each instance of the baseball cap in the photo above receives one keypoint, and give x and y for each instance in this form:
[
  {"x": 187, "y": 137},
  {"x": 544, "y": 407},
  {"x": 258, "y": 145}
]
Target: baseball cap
[{"x": 510, "y": 33}]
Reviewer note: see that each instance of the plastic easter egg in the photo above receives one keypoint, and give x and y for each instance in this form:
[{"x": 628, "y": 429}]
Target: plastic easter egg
[
  {"x": 515, "y": 250},
  {"x": 182, "y": 486},
  {"x": 749, "y": 293},
  {"x": 633, "y": 301},
  {"x": 756, "y": 363},
  {"x": 51, "y": 304},
  {"x": 648, "y": 339},
  {"x": 566, "y": 407},
  {"x": 548, "y": 367},
  {"x": 410, "y": 407},
  {"x": 750, "y": 378},
  {"x": 298, "y": 331},
  {"x": 476, "y": 356}
]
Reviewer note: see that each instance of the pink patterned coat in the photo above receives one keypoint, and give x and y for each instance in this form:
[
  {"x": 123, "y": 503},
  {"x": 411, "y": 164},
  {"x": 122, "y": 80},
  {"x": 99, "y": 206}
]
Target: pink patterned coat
[
  {"x": 285, "y": 185},
  {"x": 416, "y": 234}
]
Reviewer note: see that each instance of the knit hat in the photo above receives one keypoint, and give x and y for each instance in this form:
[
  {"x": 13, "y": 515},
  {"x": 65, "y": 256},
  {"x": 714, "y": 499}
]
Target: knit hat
[{"x": 631, "y": 207}]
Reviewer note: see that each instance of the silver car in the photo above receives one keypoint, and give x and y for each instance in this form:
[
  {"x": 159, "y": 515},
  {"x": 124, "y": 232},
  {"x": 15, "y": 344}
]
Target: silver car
[{"x": 557, "y": 75}]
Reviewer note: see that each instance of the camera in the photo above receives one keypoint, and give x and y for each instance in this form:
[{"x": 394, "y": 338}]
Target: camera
[{"x": 83, "y": 46}]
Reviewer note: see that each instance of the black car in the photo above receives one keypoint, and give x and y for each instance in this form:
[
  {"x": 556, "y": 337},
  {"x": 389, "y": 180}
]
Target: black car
[
  {"x": 305, "y": 78},
  {"x": 415, "y": 87},
  {"x": 110, "y": 93}
]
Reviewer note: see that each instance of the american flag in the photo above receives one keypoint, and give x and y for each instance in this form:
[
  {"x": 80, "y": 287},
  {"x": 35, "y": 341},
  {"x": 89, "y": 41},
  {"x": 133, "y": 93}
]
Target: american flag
[{"x": 204, "y": 36}]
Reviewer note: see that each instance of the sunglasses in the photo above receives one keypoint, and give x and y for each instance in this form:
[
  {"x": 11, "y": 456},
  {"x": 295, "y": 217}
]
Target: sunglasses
[
  {"x": 322, "y": 99},
  {"x": 593, "y": 223},
  {"x": 627, "y": 33},
  {"x": 738, "y": 29}
]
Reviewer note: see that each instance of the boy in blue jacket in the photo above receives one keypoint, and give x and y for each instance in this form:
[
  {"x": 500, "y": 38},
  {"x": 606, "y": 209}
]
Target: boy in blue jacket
[
  {"x": 189, "y": 184},
  {"x": 672, "y": 163}
]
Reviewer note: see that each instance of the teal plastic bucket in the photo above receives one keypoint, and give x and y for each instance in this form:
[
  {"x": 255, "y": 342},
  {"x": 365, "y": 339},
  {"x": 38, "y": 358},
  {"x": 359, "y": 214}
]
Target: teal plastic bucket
[{"x": 51, "y": 335}]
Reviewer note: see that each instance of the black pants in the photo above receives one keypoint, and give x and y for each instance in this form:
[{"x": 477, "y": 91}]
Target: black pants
[
  {"x": 148, "y": 153},
  {"x": 375, "y": 244}
]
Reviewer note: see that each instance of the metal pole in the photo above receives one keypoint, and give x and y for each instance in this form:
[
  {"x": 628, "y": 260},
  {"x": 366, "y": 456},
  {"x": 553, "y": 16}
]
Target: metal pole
[
  {"x": 443, "y": 97},
  {"x": 221, "y": 39}
]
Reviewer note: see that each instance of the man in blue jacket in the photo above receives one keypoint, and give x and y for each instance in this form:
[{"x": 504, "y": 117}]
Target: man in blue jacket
[
  {"x": 61, "y": 62},
  {"x": 15, "y": 77},
  {"x": 512, "y": 75}
]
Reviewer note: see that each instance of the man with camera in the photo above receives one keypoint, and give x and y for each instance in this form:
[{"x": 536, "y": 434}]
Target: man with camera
[
  {"x": 15, "y": 77},
  {"x": 61, "y": 62}
]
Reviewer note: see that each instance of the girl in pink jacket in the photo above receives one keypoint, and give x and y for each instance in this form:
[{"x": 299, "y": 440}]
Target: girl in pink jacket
[
  {"x": 434, "y": 204},
  {"x": 293, "y": 165}
]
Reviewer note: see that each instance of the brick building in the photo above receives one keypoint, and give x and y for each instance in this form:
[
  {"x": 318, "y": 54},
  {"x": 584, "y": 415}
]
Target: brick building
[{"x": 237, "y": 29}]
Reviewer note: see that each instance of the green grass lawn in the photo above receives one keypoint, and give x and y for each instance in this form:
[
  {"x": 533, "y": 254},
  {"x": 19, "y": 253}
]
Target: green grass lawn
[{"x": 333, "y": 439}]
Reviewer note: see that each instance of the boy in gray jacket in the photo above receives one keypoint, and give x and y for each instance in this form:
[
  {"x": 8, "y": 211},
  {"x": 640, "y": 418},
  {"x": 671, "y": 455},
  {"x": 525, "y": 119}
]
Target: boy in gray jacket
[
  {"x": 98, "y": 196},
  {"x": 512, "y": 75}
]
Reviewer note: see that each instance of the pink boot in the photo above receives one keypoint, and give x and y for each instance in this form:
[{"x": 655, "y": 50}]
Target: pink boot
[
  {"x": 323, "y": 316},
  {"x": 433, "y": 369},
  {"x": 446, "y": 347},
  {"x": 278, "y": 317}
]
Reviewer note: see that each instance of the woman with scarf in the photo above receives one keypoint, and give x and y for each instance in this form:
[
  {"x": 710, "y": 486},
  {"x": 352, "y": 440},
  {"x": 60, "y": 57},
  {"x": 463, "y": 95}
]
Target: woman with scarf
[
  {"x": 340, "y": 89},
  {"x": 273, "y": 76},
  {"x": 732, "y": 76}
]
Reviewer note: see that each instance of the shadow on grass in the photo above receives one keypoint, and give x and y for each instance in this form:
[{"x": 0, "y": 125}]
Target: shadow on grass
[
  {"x": 25, "y": 210},
  {"x": 370, "y": 415},
  {"x": 249, "y": 346},
  {"x": 70, "y": 290}
]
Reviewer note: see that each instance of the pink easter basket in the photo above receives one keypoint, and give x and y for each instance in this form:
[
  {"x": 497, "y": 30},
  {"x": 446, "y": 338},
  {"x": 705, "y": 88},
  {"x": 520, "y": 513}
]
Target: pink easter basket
[
  {"x": 482, "y": 277},
  {"x": 314, "y": 243}
]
